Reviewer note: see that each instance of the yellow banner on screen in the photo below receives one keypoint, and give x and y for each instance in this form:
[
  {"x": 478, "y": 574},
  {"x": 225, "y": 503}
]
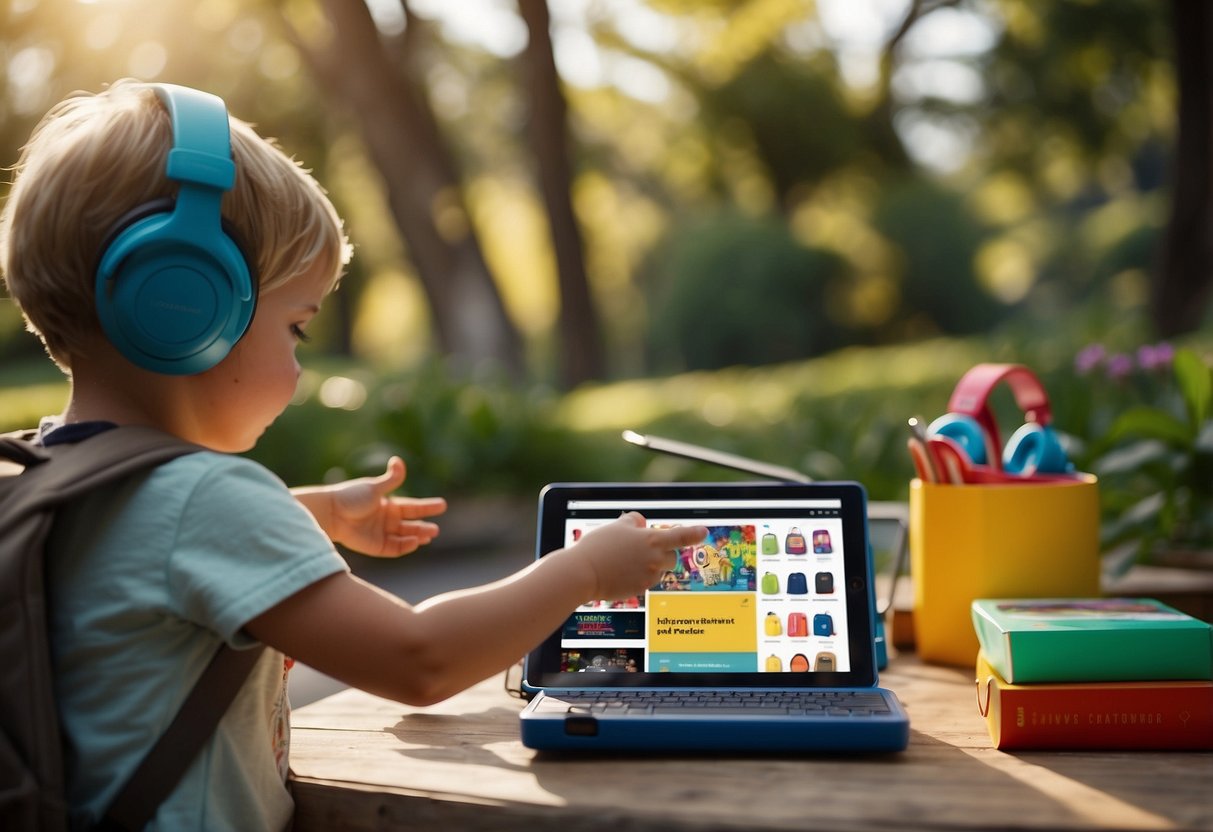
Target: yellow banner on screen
[{"x": 692, "y": 622}]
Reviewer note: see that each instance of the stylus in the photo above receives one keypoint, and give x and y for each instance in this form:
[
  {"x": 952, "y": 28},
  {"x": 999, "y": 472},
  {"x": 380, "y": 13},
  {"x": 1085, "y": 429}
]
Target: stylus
[{"x": 702, "y": 454}]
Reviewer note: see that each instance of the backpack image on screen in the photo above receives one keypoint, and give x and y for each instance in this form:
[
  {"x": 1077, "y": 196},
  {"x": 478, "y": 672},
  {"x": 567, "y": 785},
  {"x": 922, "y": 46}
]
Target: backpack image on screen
[
  {"x": 770, "y": 544},
  {"x": 821, "y": 542},
  {"x": 798, "y": 584},
  {"x": 774, "y": 664},
  {"x": 823, "y": 582},
  {"x": 798, "y": 625},
  {"x": 34, "y": 482},
  {"x": 823, "y": 624},
  {"x": 826, "y": 662},
  {"x": 800, "y": 663},
  {"x": 770, "y": 584},
  {"x": 794, "y": 543},
  {"x": 772, "y": 626}
]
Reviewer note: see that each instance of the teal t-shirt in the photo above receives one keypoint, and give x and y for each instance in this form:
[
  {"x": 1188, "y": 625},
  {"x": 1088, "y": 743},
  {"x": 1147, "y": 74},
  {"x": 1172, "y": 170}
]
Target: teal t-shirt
[{"x": 145, "y": 581}]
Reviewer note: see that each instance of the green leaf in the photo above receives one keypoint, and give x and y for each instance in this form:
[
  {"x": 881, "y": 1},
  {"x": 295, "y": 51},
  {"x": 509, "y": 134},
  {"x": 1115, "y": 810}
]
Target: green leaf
[
  {"x": 1196, "y": 383},
  {"x": 1133, "y": 457},
  {"x": 1151, "y": 423}
]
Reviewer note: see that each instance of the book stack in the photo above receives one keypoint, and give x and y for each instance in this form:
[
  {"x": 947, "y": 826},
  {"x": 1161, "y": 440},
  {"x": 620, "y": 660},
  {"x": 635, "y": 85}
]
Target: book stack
[{"x": 1099, "y": 673}]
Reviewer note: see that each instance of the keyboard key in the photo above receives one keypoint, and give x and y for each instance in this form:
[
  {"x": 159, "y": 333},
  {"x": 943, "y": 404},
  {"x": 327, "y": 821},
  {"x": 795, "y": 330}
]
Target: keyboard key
[{"x": 816, "y": 703}]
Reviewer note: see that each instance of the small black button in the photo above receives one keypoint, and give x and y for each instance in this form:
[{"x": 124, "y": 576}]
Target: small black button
[{"x": 581, "y": 726}]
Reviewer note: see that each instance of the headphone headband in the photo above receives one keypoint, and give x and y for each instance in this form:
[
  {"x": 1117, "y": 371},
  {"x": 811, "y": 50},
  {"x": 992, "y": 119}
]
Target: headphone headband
[
  {"x": 202, "y": 142},
  {"x": 972, "y": 395}
]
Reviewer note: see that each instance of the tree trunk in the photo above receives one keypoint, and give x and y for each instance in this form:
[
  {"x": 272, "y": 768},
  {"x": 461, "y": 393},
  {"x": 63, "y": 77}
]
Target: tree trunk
[
  {"x": 423, "y": 185},
  {"x": 1180, "y": 291},
  {"x": 581, "y": 353}
]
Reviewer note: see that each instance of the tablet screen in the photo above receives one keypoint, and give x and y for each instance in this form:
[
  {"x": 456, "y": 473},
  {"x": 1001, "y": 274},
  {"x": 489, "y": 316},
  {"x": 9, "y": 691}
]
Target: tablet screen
[{"x": 778, "y": 593}]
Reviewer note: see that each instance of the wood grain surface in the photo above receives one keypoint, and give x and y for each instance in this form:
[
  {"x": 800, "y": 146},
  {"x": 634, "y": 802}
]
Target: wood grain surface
[{"x": 364, "y": 763}]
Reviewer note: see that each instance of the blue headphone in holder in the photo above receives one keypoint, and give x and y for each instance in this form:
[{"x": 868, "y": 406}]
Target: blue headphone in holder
[{"x": 174, "y": 290}]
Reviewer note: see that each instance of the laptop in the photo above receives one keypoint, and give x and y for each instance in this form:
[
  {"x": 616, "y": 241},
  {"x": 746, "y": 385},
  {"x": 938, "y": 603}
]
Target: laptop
[{"x": 759, "y": 638}]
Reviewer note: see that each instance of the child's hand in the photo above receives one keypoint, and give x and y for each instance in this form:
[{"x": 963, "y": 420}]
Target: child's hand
[
  {"x": 362, "y": 515},
  {"x": 627, "y": 558}
]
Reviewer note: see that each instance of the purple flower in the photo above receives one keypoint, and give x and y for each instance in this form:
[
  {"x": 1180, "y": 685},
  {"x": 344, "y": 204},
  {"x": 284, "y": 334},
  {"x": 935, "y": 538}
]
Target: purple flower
[
  {"x": 1119, "y": 366},
  {"x": 1155, "y": 356},
  {"x": 1089, "y": 357}
]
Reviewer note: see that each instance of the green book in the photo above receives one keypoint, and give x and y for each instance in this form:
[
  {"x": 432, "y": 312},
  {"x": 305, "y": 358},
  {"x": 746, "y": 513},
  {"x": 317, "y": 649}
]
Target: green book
[{"x": 1091, "y": 640}]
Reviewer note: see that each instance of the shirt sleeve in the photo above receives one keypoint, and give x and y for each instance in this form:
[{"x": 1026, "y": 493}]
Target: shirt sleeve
[{"x": 244, "y": 544}]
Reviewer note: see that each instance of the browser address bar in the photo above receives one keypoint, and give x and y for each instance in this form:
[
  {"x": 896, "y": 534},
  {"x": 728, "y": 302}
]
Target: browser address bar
[{"x": 698, "y": 504}]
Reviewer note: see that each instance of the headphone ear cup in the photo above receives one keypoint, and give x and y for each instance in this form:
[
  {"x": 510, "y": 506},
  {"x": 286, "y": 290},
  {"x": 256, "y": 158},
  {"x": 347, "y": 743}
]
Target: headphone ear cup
[
  {"x": 169, "y": 302},
  {"x": 1035, "y": 449},
  {"x": 965, "y": 432}
]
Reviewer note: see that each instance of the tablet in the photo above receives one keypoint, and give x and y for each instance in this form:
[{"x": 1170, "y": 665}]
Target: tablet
[{"x": 782, "y": 580}]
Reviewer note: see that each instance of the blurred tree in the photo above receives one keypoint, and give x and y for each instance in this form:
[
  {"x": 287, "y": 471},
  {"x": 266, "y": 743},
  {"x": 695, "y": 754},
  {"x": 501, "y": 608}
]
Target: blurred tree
[
  {"x": 381, "y": 81},
  {"x": 1080, "y": 97},
  {"x": 741, "y": 106},
  {"x": 738, "y": 290},
  {"x": 795, "y": 113},
  {"x": 937, "y": 238},
  {"x": 882, "y": 116},
  {"x": 1183, "y": 283},
  {"x": 1070, "y": 85},
  {"x": 581, "y": 347}
]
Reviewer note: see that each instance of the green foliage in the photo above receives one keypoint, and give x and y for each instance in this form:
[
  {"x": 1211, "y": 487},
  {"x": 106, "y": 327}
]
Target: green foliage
[
  {"x": 839, "y": 416},
  {"x": 458, "y": 435},
  {"x": 311, "y": 443},
  {"x": 1147, "y": 433},
  {"x": 1196, "y": 385},
  {"x": 462, "y": 434},
  {"x": 29, "y": 390},
  {"x": 1138, "y": 249},
  {"x": 16, "y": 344},
  {"x": 732, "y": 290},
  {"x": 783, "y": 105},
  {"x": 1073, "y": 76},
  {"x": 1155, "y": 457},
  {"x": 938, "y": 238},
  {"x": 856, "y": 435}
]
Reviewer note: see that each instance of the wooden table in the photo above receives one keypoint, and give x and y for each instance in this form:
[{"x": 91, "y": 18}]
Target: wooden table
[{"x": 361, "y": 762}]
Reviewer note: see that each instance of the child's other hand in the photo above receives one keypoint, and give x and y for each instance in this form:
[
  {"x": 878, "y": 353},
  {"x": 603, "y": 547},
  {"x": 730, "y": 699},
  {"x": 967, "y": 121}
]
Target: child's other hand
[
  {"x": 366, "y": 518},
  {"x": 627, "y": 558}
]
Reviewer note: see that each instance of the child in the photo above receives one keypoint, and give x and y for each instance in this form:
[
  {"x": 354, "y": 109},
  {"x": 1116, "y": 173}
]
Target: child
[{"x": 148, "y": 578}]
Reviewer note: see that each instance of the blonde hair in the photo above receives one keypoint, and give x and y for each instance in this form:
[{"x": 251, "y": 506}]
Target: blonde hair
[{"x": 92, "y": 160}]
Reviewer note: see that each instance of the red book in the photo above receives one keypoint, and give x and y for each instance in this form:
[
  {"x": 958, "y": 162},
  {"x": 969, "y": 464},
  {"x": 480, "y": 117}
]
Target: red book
[{"x": 1090, "y": 715}]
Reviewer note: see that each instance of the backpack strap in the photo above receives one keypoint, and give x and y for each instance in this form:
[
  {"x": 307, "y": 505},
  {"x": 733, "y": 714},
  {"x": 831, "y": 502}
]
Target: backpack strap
[
  {"x": 78, "y": 469},
  {"x": 166, "y": 762},
  {"x": 85, "y": 465},
  {"x": 19, "y": 447}
]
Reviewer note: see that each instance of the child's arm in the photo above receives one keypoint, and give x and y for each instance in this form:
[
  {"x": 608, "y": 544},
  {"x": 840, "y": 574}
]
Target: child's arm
[
  {"x": 361, "y": 515},
  {"x": 367, "y": 638}
]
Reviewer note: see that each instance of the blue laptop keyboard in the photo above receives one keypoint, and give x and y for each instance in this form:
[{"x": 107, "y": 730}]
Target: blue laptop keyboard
[{"x": 828, "y": 703}]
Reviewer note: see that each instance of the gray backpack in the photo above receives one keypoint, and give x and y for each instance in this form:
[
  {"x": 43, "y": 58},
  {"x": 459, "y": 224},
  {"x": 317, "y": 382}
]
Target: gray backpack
[{"x": 34, "y": 482}]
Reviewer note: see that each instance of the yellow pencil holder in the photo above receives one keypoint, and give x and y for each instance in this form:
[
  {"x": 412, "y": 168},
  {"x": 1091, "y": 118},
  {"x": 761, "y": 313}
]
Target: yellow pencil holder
[{"x": 996, "y": 541}]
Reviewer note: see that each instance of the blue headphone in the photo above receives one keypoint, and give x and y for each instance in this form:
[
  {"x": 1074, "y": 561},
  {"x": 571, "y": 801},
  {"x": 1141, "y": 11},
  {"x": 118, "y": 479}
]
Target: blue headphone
[{"x": 174, "y": 291}]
